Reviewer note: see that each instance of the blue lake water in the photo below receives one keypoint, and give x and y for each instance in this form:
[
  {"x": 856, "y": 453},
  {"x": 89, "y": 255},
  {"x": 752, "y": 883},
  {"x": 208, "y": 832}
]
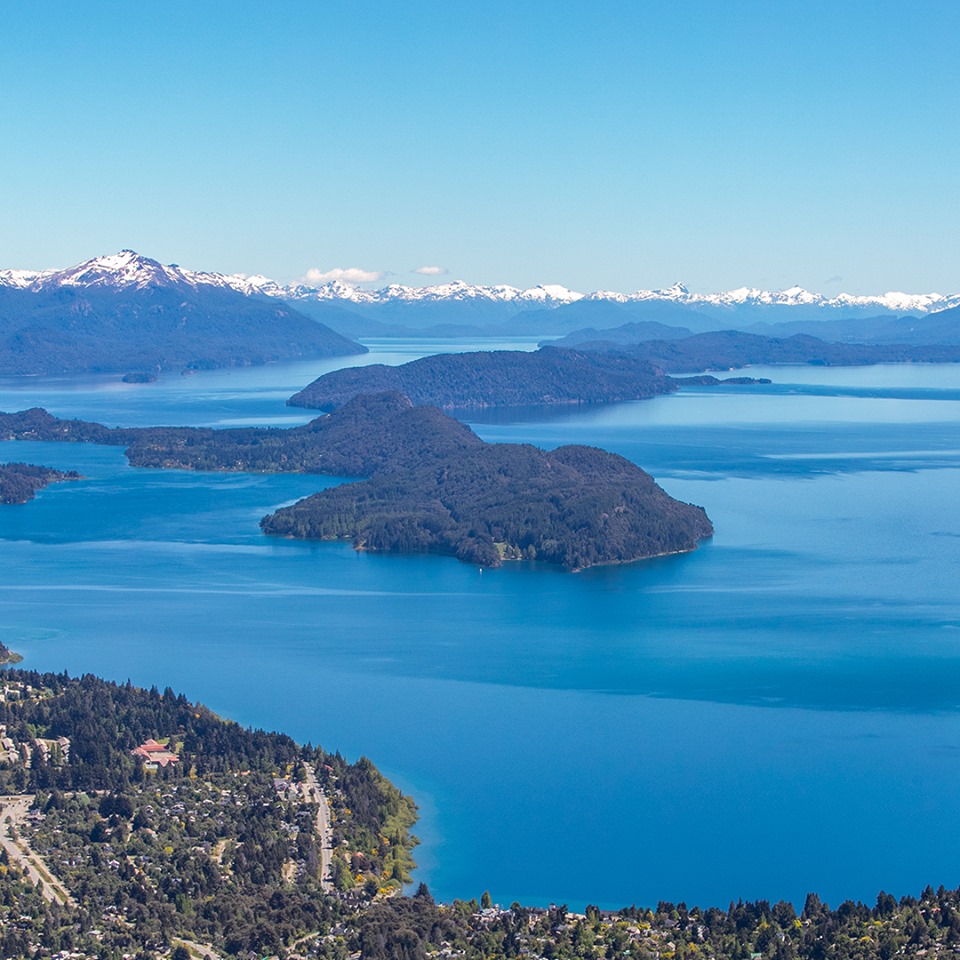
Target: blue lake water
[{"x": 776, "y": 712}]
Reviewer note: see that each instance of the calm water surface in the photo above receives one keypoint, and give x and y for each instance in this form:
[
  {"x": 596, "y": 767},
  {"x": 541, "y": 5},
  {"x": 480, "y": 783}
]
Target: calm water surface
[{"x": 774, "y": 713}]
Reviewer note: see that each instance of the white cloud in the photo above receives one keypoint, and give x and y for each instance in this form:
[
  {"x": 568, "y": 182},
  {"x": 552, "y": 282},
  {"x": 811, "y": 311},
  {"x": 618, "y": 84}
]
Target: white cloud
[
  {"x": 347, "y": 275},
  {"x": 431, "y": 271}
]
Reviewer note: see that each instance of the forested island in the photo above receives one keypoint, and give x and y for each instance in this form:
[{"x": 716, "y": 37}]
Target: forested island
[
  {"x": 432, "y": 485},
  {"x": 220, "y": 851},
  {"x": 574, "y": 506},
  {"x": 19, "y": 482},
  {"x": 498, "y": 377},
  {"x": 597, "y": 372}
]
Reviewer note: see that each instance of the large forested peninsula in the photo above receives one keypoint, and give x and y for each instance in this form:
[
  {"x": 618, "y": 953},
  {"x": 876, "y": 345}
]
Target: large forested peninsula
[
  {"x": 220, "y": 852},
  {"x": 432, "y": 485},
  {"x": 20, "y": 481},
  {"x": 593, "y": 372},
  {"x": 108, "y": 853}
]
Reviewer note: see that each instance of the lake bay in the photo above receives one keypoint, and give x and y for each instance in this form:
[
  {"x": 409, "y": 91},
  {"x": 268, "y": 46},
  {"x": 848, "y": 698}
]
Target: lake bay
[{"x": 776, "y": 712}]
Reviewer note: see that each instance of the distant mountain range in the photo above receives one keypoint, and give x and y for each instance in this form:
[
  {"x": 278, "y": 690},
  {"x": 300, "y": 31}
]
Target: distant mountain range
[
  {"x": 126, "y": 312},
  {"x": 462, "y": 309}
]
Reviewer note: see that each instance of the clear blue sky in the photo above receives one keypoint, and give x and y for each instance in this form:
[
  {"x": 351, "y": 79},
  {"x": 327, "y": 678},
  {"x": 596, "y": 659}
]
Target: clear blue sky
[{"x": 618, "y": 145}]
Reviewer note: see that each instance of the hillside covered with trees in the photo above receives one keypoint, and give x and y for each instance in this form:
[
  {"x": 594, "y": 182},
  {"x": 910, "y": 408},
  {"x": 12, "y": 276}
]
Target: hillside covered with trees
[
  {"x": 103, "y": 858},
  {"x": 220, "y": 847},
  {"x": 20, "y": 481},
  {"x": 593, "y": 372},
  {"x": 730, "y": 349},
  {"x": 433, "y": 484},
  {"x": 499, "y": 377},
  {"x": 574, "y": 506},
  {"x": 94, "y": 320}
]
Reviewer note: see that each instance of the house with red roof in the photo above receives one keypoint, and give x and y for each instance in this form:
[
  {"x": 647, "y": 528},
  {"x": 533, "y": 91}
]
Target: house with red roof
[{"x": 154, "y": 755}]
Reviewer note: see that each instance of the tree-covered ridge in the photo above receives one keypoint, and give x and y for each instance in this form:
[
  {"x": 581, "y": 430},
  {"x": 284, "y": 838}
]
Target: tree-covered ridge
[
  {"x": 74, "y": 329},
  {"x": 220, "y": 848},
  {"x": 593, "y": 372},
  {"x": 434, "y": 485},
  {"x": 573, "y": 506},
  {"x": 220, "y": 851},
  {"x": 417, "y": 928},
  {"x": 372, "y": 434},
  {"x": 20, "y": 481},
  {"x": 500, "y": 377},
  {"x": 729, "y": 349}
]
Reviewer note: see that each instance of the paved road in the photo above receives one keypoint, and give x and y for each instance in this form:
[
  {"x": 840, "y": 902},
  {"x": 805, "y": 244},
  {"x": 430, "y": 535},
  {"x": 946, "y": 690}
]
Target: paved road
[
  {"x": 14, "y": 810},
  {"x": 323, "y": 828},
  {"x": 199, "y": 949}
]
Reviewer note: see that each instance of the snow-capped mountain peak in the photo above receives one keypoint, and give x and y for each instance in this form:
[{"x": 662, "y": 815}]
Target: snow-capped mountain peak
[
  {"x": 548, "y": 292},
  {"x": 131, "y": 270},
  {"x": 124, "y": 269}
]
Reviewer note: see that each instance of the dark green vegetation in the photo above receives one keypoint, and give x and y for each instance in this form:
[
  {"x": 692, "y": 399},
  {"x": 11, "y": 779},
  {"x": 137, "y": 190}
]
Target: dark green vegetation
[
  {"x": 220, "y": 848},
  {"x": 574, "y": 506},
  {"x": 502, "y": 377},
  {"x": 20, "y": 481},
  {"x": 8, "y": 656},
  {"x": 706, "y": 380},
  {"x": 434, "y": 485},
  {"x": 729, "y": 349},
  {"x": 372, "y": 434},
  {"x": 416, "y": 928},
  {"x": 593, "y": 372},
  {"x": 74, "y": 329}
]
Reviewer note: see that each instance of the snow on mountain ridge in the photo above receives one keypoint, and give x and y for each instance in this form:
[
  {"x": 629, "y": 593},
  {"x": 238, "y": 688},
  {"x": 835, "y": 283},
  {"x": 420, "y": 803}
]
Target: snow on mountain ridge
[
  {"x": 22, "y": 279},
  {"x": 130, "y": 269},
  {"x": 124, "y": 269}
]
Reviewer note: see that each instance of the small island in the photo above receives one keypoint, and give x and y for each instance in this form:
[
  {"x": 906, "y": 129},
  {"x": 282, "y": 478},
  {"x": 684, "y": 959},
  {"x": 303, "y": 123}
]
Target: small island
[
  {"x": 708, "y": 380},
  {"x": 430, "y": 484},
  {"x": 19, "y": 482}
]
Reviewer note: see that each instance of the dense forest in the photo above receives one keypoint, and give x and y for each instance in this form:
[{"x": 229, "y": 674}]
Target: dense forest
[
  {"x": 220, "y": 851},
  {"x": 730, "y": 349},
  {"x": 574, "y": 506},
  {"x": 219, "y": 847},
  {"x": 593, "y": 372},
  {"x": 102, "y": 329},
  {"x": 416, "y": 928},
  {"x": 434, "y": 485},
  {"x": 371, "y": 434},
  {"x": 20, "y": 481},
  {"x": 500, "y": 377}
]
